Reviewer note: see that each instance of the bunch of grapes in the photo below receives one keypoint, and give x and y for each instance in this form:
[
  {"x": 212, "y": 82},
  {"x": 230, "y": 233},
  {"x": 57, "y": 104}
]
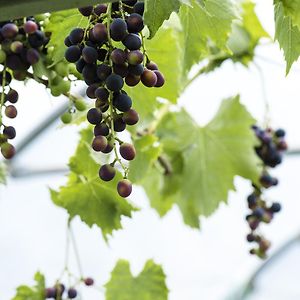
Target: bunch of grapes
[
  {"x": 272, "y": 145},
  {"x": 58, "y": 291},
  {"x": 22, "y": 42},
  {"x": 110, "y": 53}
]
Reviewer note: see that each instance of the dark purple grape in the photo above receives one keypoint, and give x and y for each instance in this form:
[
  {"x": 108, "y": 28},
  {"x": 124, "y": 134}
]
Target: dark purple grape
[
  {"x": 80, "y": 64},
  {"x": 124, "y": 188},
  {"x": 160, "y": 79},
  {"x": 135, "y": 23},
  {"x": 109, "y": 148},
  {"x": 8, "y": 151},
  {"x": 30, "y": 27},
  {"x": 118, "y": 29},
  {"x": 119, "y": 124},
  {"x": 100, "y": 9},
  {"x": 118, "y": 56},
  {"x": 250, "y": 237},
  {"x": 276, "y": 207},
  {"x": 68, "y": 42},
  {"x": 135, "y": 57},
  {"x": 103, "y": 71},
  {"x": 88, "y": 281},
  {"x": 101, "y": 129},
  {"x": 33, "y": 56},
  {"x": 9, "y": 30},
  {"x": 8, "y": 78},
  {"x": 151, "y": 66},
  {"x": 114, "y": 82},
  {"x": 37, "y": 39},
  {"x": 72, "y": 293},
  {"x": 127, "y": 151},
  {"x": 107, "y": 172},
  {"x": 90, "y": 91},
  {"x": 20, "y": 75},
  {"x": 89, "y": 74},
  {"x": 14, "y": 62},
  {"x": 122, "y": 102},
  {"x": 132, "y": 80},
  {"x": 9, "y": 132},
  {"x": 89, "y": 54},
  {"x": 139, "y": 8},
  {"x": 137, "y": 70},
  {"x": 94, "y": 116},
  {"x": 11, "y": 112},
  {"x": 86, "y": 11},
  {"x": 102, "y": 93},
  {"x": 280, "y": 133},
  {"x": 132, "y": 42},
  {"x": 50, "y": 293},
  {"x": 131, "y": 117},
  {"x": 76, "y": 36},
  {"x": 73, "y": 54},
  {"x": 12, "y": 96},
  {"x": 121, "y": 70},
  {"x": 102, "y": 53},
  {"x": 149, "y": 78},
  {"x": 100, "y": 33}
]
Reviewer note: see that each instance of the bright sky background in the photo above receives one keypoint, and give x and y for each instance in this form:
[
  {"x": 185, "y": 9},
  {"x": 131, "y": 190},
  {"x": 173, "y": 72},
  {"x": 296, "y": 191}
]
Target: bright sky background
[{"x": 211, "y": 264}]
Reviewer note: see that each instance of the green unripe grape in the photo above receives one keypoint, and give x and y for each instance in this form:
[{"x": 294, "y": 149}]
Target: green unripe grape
[
  {"x": 64, "y": 86},
  {"x": 2, "y": 56},
  {"x": 66, "y": 118},
  {"x": 56, "y": 80},
  {"x": 41, "y": 17},
  {"x": 72, "y": 70},
  {"x": 61, "y": 69},
  {"x": 55, "y": 91},
  {"x": 80, "y": 105}
]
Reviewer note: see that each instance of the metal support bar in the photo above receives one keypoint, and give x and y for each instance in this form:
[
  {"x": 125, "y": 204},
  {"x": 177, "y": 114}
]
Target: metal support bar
[{"x": 23, "y": 8}]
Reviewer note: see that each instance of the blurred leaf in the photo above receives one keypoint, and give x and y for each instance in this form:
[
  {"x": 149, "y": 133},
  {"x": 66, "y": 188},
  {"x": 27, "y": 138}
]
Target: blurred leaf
[
  {"x": 94, "y": 201},
  {"x": 32, "y": 293},
  {"x": 3, "y": 173},
  {"x": 150, "y": 284},
  {"x": 292, "y": 9},
  {"x": 203, "y": 25},
  {"x": 288, "y": 36},
  {"x": 203, "y": 161},
  {"x": 60, "y": 25}
]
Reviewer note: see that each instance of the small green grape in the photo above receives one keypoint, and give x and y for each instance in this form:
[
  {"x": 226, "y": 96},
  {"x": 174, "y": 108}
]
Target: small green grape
[
  {"x": 61, "y": 69},
  {"x": 64, "y": 86},
  {"x": 2, "y": 56},
  {"x": 56, "y": 80},
  {"x": 55, "y": 91},
  {"x": 80, "y": 105},
  {"x": 66, "y": 118}
]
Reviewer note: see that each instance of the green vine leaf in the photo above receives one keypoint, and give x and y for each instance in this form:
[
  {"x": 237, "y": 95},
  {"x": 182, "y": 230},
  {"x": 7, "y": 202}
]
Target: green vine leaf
[
  {"x": 60, "y": 25},
  {"x": 149, "y": 284},
  {"x": 292, "y": 9},
  {"x": 86, "y": 196},
  {"x": 288, "y": 36},
  {"x": 200, "y": 163},
  {"x": 157, "y": 11},
  {"x": 203, "y": 26},
  {"x": 32, "y": 293}
]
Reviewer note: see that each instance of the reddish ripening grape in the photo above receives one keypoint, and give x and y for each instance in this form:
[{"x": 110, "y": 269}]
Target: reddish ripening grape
[
  {"x": 88, "y": 281},
  {"x": 11, "y": 112},
  {"x": 94, "y": 116},
  {"x": 107, "y": 172},
  {"x": 149, "y": 78},
  {"x": 30, "y": 27},
  {"x": 12, "y": 96},
  {"x": 99, "y": 32},
  {"x": 32, "y": 56},
  {"x": 99, "y": 143},
  {"x": 135, "y": 57},
  {"x": 9, "y": 31},
  {"x": 50, "y": 293},
  {"x": 9, "y": 132},
  {"x": 132, "y": 80},
  {"x": 109, "y": 148},
  {"x": 131, "y": 117},
  {"x": 127, "y": 151},
  {"x": 118, "y": 56},
  {"x": 8, "y": 151},
  {"x": 124, "y": 188},
  {"x": 151, "y": 66}
]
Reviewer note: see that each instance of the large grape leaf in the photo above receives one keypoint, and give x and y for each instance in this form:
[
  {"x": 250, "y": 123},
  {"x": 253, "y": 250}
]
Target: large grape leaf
[
  {"x": 204, "y": 24},
  {"x": 292, "y": 9},
  {"x": 288, "y": 36},
  {"x": 199, "y": 163},
  {"x": 157, "y": 11},
  {"x": 60, "y": 25},
  {"x": 32, "y": 293},
  {"x": 150, "y": 284},
  {"x": 86, "y": 196},
  {"x": 166, "y": 51}
]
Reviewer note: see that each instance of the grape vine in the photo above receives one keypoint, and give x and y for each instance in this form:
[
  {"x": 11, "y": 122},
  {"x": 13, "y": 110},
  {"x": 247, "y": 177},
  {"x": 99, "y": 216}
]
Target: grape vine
[{"x": 105, "y": 64}]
